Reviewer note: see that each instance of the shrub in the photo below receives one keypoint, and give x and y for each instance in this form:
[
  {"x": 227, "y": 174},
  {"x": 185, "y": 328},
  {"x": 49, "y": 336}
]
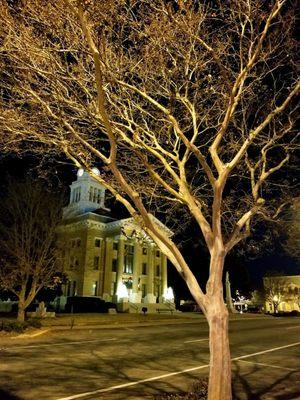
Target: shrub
[
  {"x": 294, "y": 313},
  {"x": 197, "y": 392},
  {"x": 35, "y": 323},
  {"x": 19, "y": 327},
  {"x": 14, "y": 326}
]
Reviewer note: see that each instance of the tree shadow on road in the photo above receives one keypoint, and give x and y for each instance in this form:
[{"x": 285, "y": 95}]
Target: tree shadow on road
[
  {"x": 56, "y": 371},
  {"x": 97, "y": 366},
  {"x": 286, "y": 387}
]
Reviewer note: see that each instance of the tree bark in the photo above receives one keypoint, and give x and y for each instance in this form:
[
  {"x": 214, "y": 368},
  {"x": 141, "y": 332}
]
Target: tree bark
[
  {"x": 219, "y": 387},
  {"x": 21, "y": 312},
  {"x": 220, "y": 362}
]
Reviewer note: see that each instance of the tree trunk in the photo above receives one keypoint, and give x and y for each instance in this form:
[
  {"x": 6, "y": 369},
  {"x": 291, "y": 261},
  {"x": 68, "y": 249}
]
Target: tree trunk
[
  {"x": 219, "y": 387},
  {"x": 220, "y": 363},
  {"x": 21, "y": 312}
]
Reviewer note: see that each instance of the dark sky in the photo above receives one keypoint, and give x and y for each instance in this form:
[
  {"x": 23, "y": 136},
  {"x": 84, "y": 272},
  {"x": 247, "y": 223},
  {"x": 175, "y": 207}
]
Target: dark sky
[{"x": 245, "y": 270}]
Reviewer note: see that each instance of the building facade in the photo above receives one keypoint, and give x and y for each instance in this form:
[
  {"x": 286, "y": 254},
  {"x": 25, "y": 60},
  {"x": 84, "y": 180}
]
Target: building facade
[
  {"x": 282, "y": 293},
  {"x": 106, "y": 257}
]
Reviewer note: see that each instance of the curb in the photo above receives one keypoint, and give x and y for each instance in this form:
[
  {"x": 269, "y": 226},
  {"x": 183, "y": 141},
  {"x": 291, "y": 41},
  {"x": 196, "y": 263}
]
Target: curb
[
  {"x": 123, "y": 326},
  {"x": 30, "y": 335},
  {"x": 145, "y": 324}
]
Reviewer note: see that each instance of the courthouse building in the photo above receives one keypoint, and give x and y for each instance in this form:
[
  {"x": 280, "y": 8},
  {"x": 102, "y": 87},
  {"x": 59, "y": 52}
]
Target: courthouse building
[{"x": 106, "y": 257}]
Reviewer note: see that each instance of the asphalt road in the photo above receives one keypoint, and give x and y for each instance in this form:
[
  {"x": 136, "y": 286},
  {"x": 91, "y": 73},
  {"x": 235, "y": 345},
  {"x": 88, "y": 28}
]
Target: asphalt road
[{"x": 137, "y": 362}]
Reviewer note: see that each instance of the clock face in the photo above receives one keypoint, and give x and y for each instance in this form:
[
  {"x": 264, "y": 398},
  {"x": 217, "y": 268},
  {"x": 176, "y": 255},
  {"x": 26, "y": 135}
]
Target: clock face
[
  {"x": 96, "y": 171},
  {"x": 80, "y": 172}
]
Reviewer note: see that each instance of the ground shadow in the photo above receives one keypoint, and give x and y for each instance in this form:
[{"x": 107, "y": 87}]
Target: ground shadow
[
  {"x": 5, "y": 395},
  {"x": 243, "y": 389}
]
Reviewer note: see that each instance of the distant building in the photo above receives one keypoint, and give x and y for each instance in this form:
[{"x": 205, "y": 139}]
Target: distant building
[
  {"x": 106, "y": 257},
  {"x": 282, "y": 293}
]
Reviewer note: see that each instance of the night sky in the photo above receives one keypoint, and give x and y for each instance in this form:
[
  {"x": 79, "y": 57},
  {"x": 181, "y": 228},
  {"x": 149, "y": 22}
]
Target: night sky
[{"x": 246, "y": 270}]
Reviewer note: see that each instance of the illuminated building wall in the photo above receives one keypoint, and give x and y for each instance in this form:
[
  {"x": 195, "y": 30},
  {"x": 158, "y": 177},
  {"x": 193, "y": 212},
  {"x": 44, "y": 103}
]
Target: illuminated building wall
[{"x": 106, "y": 257}]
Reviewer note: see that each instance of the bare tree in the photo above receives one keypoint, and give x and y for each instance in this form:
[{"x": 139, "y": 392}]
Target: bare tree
[
  {"x": 184, "y": 106},
  {"x": 275, "y": 287},
  {"x": 29, "y": 216}
]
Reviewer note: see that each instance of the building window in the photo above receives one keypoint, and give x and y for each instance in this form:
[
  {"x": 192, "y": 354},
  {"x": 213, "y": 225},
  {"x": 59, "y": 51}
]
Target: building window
[
  {"x": 76, "y": 195},
  {"x": 144, "y": 269},
  {"x": 128, "y": 259},
  {"x": 144, "y": 250},
  {"x": 157, "y": 253},
  {"x": 95, "y": 288},
  {"x": 74, "y": 263},
  {"x": 144, "y": 290},
  {"x": 157, "y": 270},
  {"x": 75, "y": 242},
  {"x": 97, "y": 242},
  {"x": 96, "y": 262},
  {"x": 115, "y": 246},
  {"x": 99, "y": 196},
  {"x": 114, "y": 265}
]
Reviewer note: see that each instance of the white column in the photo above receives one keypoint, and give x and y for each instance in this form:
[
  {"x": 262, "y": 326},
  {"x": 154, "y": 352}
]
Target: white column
[
  {"x": 107, "y": 269},
  {"x": 136, "y": 295},
  {"x": 120, "y": 262},
  {"x": 164, "y": 275},
  {"x": 150, "y": 297}
]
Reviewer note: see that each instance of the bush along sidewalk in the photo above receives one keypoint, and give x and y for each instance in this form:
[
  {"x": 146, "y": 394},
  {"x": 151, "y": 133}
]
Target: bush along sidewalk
[
  {"x": 20, "y": 327},
  {"x": 198, "y": 391}
]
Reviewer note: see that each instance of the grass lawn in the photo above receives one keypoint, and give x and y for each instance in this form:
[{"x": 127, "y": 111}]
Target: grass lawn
[
  {"x": 105, "y": 319},
  {"x": 102, "y": 319}
]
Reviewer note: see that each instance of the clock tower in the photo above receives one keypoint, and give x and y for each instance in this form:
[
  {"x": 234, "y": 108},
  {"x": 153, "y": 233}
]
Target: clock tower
[{"x": 86, "y": 195}]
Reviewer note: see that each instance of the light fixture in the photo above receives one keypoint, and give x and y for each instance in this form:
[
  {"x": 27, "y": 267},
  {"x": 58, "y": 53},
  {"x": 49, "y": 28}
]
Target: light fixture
[
  {"x": 80, "y": 172},
  {"x": 95, "y": 171}
]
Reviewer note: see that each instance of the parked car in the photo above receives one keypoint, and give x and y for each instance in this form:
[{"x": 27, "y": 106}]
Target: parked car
[{"x": 293, "y": 313}]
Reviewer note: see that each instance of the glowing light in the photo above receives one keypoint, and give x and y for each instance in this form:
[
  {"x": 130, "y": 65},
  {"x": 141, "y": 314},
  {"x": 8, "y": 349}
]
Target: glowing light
[
  {"x": 122, "y": 291},
  {"x": 169, "y": 294},
  {"x": 80, "y": 172},
  {"x": 96, "y": 171}
]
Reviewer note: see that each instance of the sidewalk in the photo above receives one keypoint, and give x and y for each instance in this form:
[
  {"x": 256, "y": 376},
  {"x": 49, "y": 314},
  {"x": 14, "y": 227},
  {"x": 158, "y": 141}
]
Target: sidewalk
[{"x": 119, "y": 321}]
